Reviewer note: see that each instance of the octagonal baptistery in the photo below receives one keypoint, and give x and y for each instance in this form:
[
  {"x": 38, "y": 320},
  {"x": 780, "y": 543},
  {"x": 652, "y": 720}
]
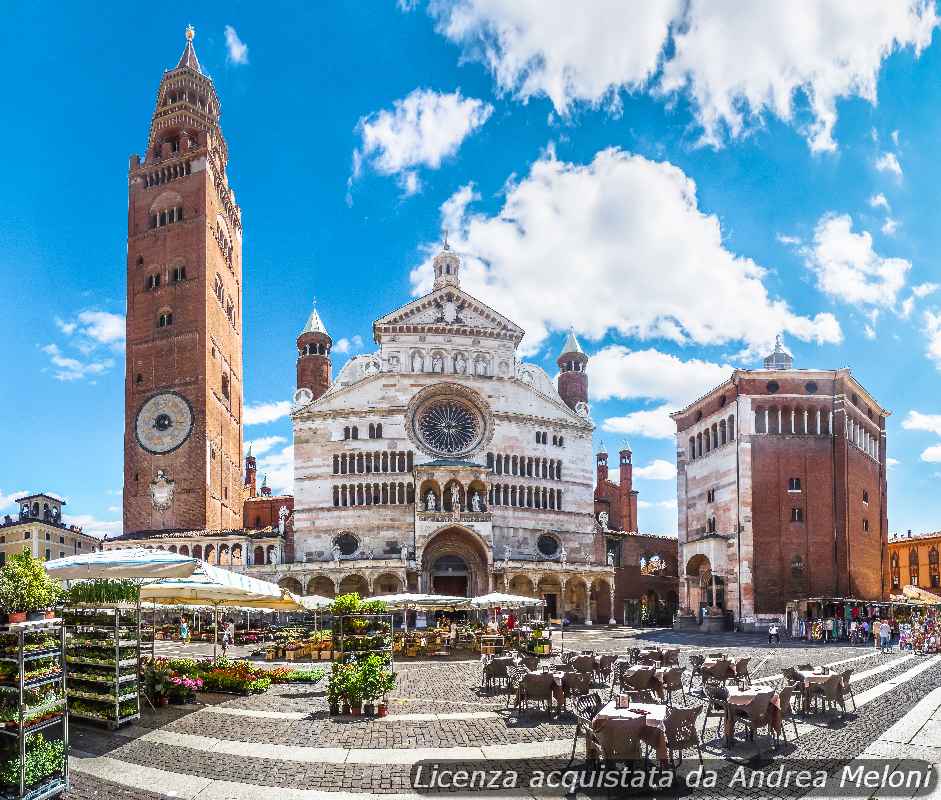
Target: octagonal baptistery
[{"x": 442, "y": 462}]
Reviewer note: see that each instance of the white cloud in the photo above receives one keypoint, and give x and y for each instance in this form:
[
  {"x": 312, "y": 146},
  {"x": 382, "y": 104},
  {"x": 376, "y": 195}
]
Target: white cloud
[
  {"x": 66, "y": 368},
  {"x": 916, "y": 421},
  {"x": 263, "y": 413},
  {"x": 7, "y": 500},
  {"x": 895, "y": 138},
  {"x": 279, "y": 469},
  {"x": 879, "y": 201},
  {"x": 924, "y": 289},
  {"x": 657, "y": 470},
  {"x": 888, "y": 162},
  {"x": 815, "y": 52},
  {"x": 617, "y": 372},
  {"x": 103, "y": 327},
  {"x": 933, "y": 334},
  {"x": 263, "y": 444},
  {"x": 237, "y": 49},
  {"x": 847, "y": 267},
  {"x": 557, "y": 49},
  {"x": 932, "y": 455},
  {"x": 421, "y": 130},
  {"x": 869, "y": 332},
  {"x": 892, "y": 462},
  {"x": 95, "y": 527},
  {"x": 614, "y": 223},
  {"x": 783, "y": 238},
  {"x": 114, "y": 509},
  {"x": 890, "y": 226},
  {"x": 345, "y": 345}
]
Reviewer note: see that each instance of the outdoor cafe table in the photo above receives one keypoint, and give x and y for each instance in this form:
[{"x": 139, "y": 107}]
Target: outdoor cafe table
[
  {"x": 605, "y": 725},
  {"x": 740, "y": 698},
  {"x": 811, "y": 678}
]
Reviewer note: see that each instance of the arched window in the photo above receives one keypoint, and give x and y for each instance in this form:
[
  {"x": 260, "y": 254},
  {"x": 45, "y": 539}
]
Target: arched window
[
  {"x": 692, "y": 448},
  {"x": 933, "y": 572},
  {"x": 913, "y": 566},
  {"x": 372, "y": 431},
  {"x": 225, "y": 386},
  {"x": 894, "y": 568},
  {"x": 165, "y": 319},
  {"x": 378, "y": 430},
  {"x": 731, "y": 428},
  {"x": 346, "y": 433},
  {"x": 797, "y": 567},
  {"x": 355, "y": 432}
]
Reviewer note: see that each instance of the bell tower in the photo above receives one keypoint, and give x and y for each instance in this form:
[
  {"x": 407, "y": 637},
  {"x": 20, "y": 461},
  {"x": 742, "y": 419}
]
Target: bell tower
[
  {"x": 183, "y": 381},
  {"x": 573, "y": 379},
  {"x": 313, "y": 356}
]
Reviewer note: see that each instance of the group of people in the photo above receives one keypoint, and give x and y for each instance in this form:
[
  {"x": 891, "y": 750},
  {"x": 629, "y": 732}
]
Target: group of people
[
  {"x": 228, "y": 633},
  {"x": 881, "y": 631}
]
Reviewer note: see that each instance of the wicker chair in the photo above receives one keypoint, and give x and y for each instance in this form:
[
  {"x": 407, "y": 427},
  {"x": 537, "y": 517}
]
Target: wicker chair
[
  {"x": 530, "y": 662},
  {"x": 576, "y": 684},
  {"x": 831, "y": 693},
  {"x": 754, "y": 716},
  {"x": 741, "y": 670},
  {"x": 605, "y": 663},
  {"x": 680, "y": 728},
  {"x": 695, "y": 666},
  {"x": 804, "y": 667},
  {"x": 515, "y": 677},
  {"x": 633, "y": 653},
  {"x": 630, "y": 740},
  {"x": 584, "y": 663},
  {"x": 715, "y": 707},
  {"x": 671, "y": 658},
  {"x": 787, "y": 711},
  {"x": 538, "y": 687},
  {"x": 845, "y": 676},
  {"x": 640, "y": 695},
  {"x": 673, "y": 680},
  {"x": 640, "y": 679},
  {"x": 495, "y": 672},
  {"x": 585, "y": 708}
]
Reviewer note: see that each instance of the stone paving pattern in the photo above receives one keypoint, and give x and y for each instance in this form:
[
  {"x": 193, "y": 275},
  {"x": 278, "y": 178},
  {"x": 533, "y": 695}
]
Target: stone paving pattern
[{"x": 453, "y": 687}]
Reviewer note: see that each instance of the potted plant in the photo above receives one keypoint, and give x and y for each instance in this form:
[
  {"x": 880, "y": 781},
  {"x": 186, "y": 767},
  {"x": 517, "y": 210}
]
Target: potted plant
[
  {"x": 387, "y": 685},
  {"x": 25, "y": 588},
  {"x": 336, "y": 687}
]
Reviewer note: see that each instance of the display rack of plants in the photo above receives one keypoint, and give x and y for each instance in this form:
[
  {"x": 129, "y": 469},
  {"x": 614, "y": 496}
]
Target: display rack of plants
[
  {"x": 365, "y": 670},
  {"x": 33, "y": 756},
  {"x": 102, "y": 653}
]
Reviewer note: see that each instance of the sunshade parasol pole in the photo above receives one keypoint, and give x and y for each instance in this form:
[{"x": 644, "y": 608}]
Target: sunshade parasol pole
[
  {"x": 153, "y": 638},
  {"x": 215, "y": 632}
]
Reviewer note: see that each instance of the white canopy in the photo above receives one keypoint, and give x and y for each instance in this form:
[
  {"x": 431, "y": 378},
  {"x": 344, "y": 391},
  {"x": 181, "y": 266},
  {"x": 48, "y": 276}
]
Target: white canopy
[
  {"x": 500, "y": 600},
  {"x": 214, "y": 586},
  {"x": 424, "y": 602},
  {"x": 313, "y": 602},
  {"x": 135, "y": 562}
]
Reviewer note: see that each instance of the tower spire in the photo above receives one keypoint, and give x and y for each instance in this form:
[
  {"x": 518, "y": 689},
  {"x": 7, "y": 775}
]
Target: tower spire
[
  {"x": 447, "y": 266},
  {"x": 188, "y": 59}
]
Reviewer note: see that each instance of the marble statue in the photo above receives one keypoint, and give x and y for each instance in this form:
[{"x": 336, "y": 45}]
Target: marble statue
[
  {"x": 563, "y": 556},
  {"x": 403, "y": 553},
  {"x": 430, "y": 504},
  {"x": 336, "y": 553},
  {"x": 603, "y": 520},
  {"x": 460, "y": 364},
  {"x": 418, "y": 363},
  {"x": 610, "y": 559},
  {"x": 455, "y": 499},
  {"x": 282, "y": 519},
  {"x": 475, "y": 502},
  {"x": 437, "y": 364}
]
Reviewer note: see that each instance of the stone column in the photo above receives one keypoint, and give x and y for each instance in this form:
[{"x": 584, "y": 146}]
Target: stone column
[
  {"x": 588, "y": 620},
  {"x": 561, "y": 603},
  {"x": 612, "y": 620}
]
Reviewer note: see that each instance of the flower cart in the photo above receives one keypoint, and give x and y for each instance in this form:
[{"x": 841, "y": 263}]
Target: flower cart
[{"x": 34, "y": 761}]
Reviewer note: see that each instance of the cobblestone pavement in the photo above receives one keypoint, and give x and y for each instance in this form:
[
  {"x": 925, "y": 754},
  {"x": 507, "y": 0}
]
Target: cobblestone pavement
[{"x": 452, "y": 687}]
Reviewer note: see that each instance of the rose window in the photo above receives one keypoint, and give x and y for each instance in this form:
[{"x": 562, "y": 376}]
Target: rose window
[{"x": 448, "y": 426}]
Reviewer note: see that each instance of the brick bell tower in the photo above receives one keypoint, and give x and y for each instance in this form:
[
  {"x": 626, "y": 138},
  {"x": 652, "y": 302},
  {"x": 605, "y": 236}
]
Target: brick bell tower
[
  {"x": 313, "y": 356},
  {"x": 573, "y": 379},
  {"x": 183, "y": 384}
]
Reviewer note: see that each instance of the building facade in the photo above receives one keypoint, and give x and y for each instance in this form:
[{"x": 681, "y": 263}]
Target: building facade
[
  {"x": 781, "y": 491},
  {"x": 443, "y": 463},
  {"x": 39, "y": 527},
  {"x": 645, "y": 564},
  {"x": 914, "y": 561},
  {"x": 183, "y": 382}
]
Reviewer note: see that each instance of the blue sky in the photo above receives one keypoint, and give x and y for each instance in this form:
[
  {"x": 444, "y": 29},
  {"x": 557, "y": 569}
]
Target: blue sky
[{"x": 679, "y": 185}]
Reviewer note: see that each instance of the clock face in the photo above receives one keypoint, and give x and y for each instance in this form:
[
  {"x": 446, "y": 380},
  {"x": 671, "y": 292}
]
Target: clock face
[{"x": 164, "y": 422}]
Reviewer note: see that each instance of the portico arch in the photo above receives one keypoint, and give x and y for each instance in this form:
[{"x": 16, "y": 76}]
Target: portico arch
[
  {"x": 292, "y": 585},
  {"x": 455, "y": 561},
  {"x": 354, "y": 583},
  {"x": 321, "y": 585},
  {"x": 386, "y": 583},
  {"x": 521, "y": 585}
]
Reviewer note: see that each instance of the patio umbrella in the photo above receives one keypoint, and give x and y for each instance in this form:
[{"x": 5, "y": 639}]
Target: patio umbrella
[
  {"x": 406, "y": 601},
  {"x": 220, "y": 587},
  {"x": 133, "y": 563},
  {"x": 501, "y": 600}
]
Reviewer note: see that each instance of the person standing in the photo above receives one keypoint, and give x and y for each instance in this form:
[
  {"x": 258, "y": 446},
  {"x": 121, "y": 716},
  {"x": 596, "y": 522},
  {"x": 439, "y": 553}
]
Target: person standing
[
  {"x": 773, "y": 633},
  {"x": 885, "y": 633},
  {"x": 875, "y": 632},
  {"x": 184, "y": 631}
]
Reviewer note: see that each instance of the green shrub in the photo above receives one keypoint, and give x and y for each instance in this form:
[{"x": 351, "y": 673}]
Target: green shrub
[{"x": 25, "y": 586}]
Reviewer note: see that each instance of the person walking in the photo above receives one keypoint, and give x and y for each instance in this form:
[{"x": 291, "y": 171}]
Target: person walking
[
  {"x": 184, "y": 631},
  {"x": 875, "y": 632},
  {"x": 773, "y": 634},
  {"x": 885, "y": 634},
  {"x": 226, "y": 637}
]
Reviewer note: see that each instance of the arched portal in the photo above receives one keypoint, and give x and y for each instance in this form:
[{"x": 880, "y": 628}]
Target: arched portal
[
  {"x": 354, "y": 583},
  {"x": 322, "y": 586},
  {"x": 455, "y": 562},
  {"x": 291, "y": 584}
]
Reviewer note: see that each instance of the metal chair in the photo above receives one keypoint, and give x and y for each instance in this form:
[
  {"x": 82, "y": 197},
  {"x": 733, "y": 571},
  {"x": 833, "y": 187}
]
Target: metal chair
[
  {"x": 680, "y": 729},
  {"x": 515, "y": 677},
  {"x": 640, "y": 679},
  {"x": 633, "y": 653}
]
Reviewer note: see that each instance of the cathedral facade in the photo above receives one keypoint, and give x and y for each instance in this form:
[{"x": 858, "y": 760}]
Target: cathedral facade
[{"x": 443, "y": 463}]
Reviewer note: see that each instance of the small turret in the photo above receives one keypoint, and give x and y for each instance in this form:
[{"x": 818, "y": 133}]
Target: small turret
[
  {"x": 573, "y": 378},
  {"x": 265, "y": 488},
  {"x": 251, "y": 470},
  {"x": 780, "y": 358},
  {"x": 447, "y": 267},
  {"x": 313, "y": 356},
  {"x": 602, "y": 464},
  {"x": 627, "y": 496}
]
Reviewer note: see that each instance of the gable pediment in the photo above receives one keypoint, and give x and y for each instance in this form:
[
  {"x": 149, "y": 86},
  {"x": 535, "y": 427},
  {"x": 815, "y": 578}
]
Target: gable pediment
[{"x": 448, "y": 310}]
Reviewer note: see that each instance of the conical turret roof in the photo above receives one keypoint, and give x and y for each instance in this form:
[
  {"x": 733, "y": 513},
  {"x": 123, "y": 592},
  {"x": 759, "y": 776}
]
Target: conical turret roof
[
  {"x": 188, "y": 59},
  {"x": 571, "y": 344},
  {"x": 315, "y": 323}
]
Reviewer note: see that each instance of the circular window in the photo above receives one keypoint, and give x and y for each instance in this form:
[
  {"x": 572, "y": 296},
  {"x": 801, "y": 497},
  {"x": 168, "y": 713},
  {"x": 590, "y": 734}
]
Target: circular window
[
  {"x": 448, "y": 421},
  {"x": 810, "y": 387},
  {"x": 773, "y": 386},
  {"x": 448, "y": 426},
  {"x": 347, "y": 544},
  {"x": 547, "y": 545}
]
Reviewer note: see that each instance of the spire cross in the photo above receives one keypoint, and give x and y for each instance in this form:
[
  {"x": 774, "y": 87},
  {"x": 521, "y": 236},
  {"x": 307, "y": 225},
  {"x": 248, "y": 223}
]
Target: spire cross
[{"x": 190, "y": 33}]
